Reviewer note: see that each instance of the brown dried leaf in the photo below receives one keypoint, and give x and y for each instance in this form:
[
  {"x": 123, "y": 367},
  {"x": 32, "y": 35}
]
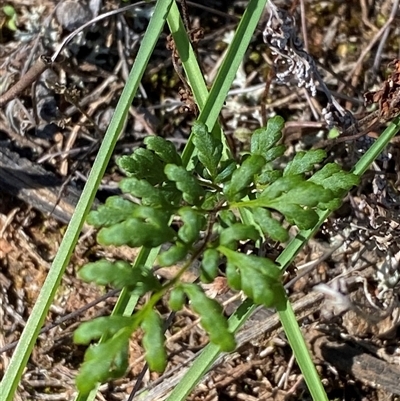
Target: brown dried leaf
[{"x": 388, "y": 97}]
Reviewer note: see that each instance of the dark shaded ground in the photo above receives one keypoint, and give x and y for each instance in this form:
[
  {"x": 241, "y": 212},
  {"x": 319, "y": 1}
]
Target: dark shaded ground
[{"x": 60, "y": 130}]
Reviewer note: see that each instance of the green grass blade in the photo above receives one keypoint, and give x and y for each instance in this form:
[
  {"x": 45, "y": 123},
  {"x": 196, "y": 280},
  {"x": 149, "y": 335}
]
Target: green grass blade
[
  {"x": 226, "y": 74},
  {"x": 194, "y": 76},
  {"x": 300, "y": 350},
  {"x": 234, "y": 56},
  {"x": 376, "y": 149},
  {"x": 28, "y": 338},
  {"x": 187, "y": 56}
]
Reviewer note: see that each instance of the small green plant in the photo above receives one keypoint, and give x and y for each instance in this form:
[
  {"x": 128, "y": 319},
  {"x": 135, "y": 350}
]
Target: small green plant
[
  {"x": 202, "y": 214},
  {"x": 9, "y": 19}
]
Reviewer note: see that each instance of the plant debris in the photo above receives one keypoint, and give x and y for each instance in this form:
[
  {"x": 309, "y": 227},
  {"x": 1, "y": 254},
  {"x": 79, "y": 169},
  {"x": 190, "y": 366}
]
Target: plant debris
[{"x": 58, "y": 121}]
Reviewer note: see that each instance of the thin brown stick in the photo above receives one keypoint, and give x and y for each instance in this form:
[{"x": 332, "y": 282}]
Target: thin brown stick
[
  {"x": 185, "y": 15},
  {"x": 371, "y": 44},
  {"x": 382, "y": 42},
  {"x": 41, "y": 65},
  {"x": 304, "y": 25},
  {"x": 355, "y": 131},
  {"x": 65, "y": 318}
]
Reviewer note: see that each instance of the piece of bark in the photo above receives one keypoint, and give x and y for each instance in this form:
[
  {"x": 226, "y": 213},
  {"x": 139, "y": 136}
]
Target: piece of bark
[
  {"x": 36, "y": 186},
  {"x": 354, "y": 361}
]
